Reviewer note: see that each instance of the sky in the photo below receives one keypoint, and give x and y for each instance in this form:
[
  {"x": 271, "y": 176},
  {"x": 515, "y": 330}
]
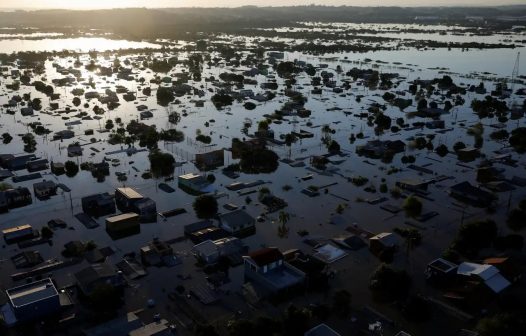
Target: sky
[{"x": 92, "y": 4}]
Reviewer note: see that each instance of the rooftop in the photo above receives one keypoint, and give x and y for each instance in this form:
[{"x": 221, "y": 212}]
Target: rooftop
[
  {"x": 17, "y": 228},
  {"x": 442, "y": 265},
  {"x": 266, "y": 256},
  {"x": 129, "y": 193},
  {"x": 32, "y": 292},
  {"x": 283, "y": 277},
  {"x": 121, "y": 217},
  {"x": 321, "y": 330}
]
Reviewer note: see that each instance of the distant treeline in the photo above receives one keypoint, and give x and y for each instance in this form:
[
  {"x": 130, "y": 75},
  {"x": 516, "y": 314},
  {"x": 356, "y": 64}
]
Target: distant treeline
[{"x": 175, "y": 23}]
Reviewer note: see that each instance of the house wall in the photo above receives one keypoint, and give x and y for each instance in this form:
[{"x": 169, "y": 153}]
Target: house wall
[{"x": 38, "y": 309}]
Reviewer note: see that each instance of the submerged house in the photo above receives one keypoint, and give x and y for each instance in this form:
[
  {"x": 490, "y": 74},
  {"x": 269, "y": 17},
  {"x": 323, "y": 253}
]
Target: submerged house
[
  {"x": 472, "y": 195},
  {"x": 378, "y": 148}
]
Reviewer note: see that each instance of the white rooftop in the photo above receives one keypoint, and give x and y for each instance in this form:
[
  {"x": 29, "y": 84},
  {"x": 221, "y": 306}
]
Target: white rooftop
[
  {"x": 490, "y": 274},
  {"x": 329, "y": 253},
  {"x": 482, "y": 271}
]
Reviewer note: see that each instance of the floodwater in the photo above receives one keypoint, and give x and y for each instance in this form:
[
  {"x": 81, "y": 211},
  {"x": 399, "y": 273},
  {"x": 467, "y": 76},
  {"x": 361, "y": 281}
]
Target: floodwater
[
  {"x": 316, "y": 215},
  {"x": 79, "y": 44}
]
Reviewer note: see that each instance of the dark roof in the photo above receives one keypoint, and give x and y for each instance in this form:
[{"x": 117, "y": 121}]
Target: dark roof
[
  {"x": 466, "y": 188},
  {"x": 94, "y": 273},
  {"x": 266, "y": 256}
]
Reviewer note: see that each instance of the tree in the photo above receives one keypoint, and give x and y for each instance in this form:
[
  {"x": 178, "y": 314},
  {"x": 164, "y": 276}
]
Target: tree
[
  {"x": 341, "y": 303},
  {"x": 258, "y": 161},
  {"x": 412, "y": 206},
  {"x": 5, "y": 186},
  {"x": 72, "y": 168},
  {"x": 442, "y": 150},
  {"x": 390, "y": 284},
  {"x": 333, "y": 147},
  {"x": 416, "y": 309},
  {"x": 161, "y": 164},
  {"x": 296, "y": 321},
  {"x": 263, "y": 125},
  {"x": 473, "y": 236},
  {"x": 422, "y": 105},
  {"x": 165, "y": 96},
  {"x": 517, "y": 219},
  {"x": 283, "y": 218},
  {"x": 518, "y": 139},
  {"x": 205, "y": 330},
  {"x": 46, "y": 233},
  {"x": 458, "y": 146},
  {"x": 509, "y": 324},
  {"x": 105, "y": 298},
  {"x": 205, "y": 206}
]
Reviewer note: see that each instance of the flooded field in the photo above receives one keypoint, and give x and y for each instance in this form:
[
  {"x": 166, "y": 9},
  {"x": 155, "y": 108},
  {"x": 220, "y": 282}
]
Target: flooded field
[{"x": 310, "y": 100}]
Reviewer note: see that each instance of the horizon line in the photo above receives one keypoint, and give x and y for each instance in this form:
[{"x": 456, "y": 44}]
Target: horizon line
[{"x": 36, "y": 8}]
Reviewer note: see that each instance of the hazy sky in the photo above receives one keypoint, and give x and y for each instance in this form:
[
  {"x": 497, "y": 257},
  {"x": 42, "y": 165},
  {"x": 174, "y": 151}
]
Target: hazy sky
[{"x": 85, "y": 4}]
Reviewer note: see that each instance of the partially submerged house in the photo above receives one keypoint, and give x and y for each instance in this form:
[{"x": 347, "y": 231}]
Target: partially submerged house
[
  {"x": 37, "y": 165},
  {"x": 194, "y": 183},
  {"x": 123, "y": 223},
  {"x": 204, "y": 230},
  {"x": 210, "y": 251},
  {"x": 96, "y": 275},
  {"x": 31, "y": 302},
  {"x": 382, "y": 242},
  {"x": 238, "y": 223},
  {"x": 441, "y": 270},
  {"x": 18, "y": 233},
  {"x": 267, "y": 270},
  {"x": 156, "y": 252},
  {"x": 18, "y": 197},
  {"x": 45, "y": 189},
  {"x": 128, "y": 199},
  {"x": 98, "y": 205},
  {"x": 74, "y": 150},
  {"x": 210, "y": 160},
  {"x": 487, "y": 274},
  {"x": 146, "y": 208},
  {"x": 413, "y": 185}
]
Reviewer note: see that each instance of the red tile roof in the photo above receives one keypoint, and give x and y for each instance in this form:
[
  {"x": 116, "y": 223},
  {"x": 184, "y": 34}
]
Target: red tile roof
[{"x": 266, "y": 256}]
